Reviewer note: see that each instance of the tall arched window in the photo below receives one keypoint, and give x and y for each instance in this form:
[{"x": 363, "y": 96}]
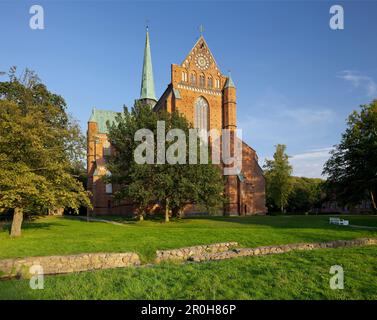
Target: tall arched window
[
  {"x": 193, "y": 78},
  {"x": 210, "y": 82},
  {"x": 201, "y": 114},
  {"x": 202, "y": 80},
  {"x": 184, "y": 76}
]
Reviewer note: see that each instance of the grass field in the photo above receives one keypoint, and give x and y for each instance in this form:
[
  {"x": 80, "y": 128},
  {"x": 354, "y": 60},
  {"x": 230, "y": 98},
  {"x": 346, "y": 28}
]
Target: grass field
[
  {"x": 54, "y": 235},
  {"x": 294, "y": 275}
]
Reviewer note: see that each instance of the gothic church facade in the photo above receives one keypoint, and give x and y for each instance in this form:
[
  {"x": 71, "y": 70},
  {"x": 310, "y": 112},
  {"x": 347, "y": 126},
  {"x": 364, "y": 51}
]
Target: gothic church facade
[{"x": 207, "y": 98}]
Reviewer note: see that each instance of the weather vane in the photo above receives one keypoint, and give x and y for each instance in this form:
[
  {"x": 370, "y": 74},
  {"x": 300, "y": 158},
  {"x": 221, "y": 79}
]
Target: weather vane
[{"x": 147, "y": 24}]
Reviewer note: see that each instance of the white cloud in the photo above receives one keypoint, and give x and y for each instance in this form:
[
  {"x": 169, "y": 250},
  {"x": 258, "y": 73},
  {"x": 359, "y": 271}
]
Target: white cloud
[
  {"x": 281, "y": 123},
  {"x": 307, "y": 116},
  {"x": 310, "y": 164},
  {"x": 300, "y": 126},
  {"x": 360, "y": 81}
]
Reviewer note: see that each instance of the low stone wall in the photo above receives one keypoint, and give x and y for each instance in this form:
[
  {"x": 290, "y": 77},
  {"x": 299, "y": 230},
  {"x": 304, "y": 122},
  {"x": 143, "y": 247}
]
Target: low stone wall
[
  {"x": 216, "y": 251},
  {"x": 69, "y": 263},
  {"x": 186, "y": 253},
  {"x": 244, "y": 252}
]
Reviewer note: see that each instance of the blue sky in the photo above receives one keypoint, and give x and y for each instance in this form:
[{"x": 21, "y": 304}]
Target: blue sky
[{"x": 297, "y": 79}]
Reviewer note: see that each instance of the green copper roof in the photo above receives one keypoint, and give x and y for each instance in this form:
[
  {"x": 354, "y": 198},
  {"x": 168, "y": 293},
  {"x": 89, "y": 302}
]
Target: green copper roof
[
  {"x": 147, "y": 82},
  {"x": 229, "y": 83},
  {"x": 101, "y": 117}
]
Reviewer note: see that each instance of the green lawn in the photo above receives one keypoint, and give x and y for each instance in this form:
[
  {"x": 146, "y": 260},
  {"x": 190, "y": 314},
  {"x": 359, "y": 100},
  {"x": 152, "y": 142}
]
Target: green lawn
[
  {"x": 54, "y": 235},
  {"x": 294, "y": 275}
]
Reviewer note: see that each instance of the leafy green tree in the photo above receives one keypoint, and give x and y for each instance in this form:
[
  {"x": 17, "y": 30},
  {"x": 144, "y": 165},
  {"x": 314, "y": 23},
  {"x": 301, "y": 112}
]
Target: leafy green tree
[
  {"x": 307, "y": 194},
  {"x": 352, "y": 167},
  {"x": 125, "y": 173},
  {"x": 173, "y": 186},
  {"x": 278, "y": 178},
  {"x": 39, "y": 146}
]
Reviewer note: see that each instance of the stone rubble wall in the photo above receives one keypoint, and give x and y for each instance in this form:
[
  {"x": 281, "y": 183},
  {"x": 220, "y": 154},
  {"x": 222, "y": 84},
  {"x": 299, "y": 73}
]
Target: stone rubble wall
[
  {"x": 218, "y": 251},
  {"x": 244, "y": 252},
  {"x": 68, "y": 264},
  {"x": 186, "y": 253}
]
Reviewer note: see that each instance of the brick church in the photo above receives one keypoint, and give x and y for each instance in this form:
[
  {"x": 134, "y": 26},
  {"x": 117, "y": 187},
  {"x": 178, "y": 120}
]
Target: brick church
[{"x": 207, "y": 98}]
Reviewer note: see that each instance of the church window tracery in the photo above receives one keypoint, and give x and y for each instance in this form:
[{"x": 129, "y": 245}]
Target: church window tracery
[
  {"x": 193, "y": 78},
  {"x": 184, "y": 76},
  {"x": 202, "y": 80},
  {"x": 217, "y": 83},
  {"x": 210, "y": 82},
  {"x": 201, "y": 114}
]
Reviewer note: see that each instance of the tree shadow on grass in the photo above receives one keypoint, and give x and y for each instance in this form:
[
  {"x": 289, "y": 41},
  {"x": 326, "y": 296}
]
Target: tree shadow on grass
[
  {"x": 315, "y": 237},
  {"x": 30, "y": 225},
  {"x": 158, "y": 218},
  {"x": 271, "y": 221},
  {"x": 44, "y": 225},
  {"x": 107, "y": 219},
  {"x": 281, "y": 222}
]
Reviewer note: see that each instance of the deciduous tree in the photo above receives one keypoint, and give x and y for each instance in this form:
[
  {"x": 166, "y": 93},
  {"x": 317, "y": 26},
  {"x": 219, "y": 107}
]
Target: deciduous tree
[
  {"x": 278, "y": 177},
  {"x": 307, "y": 194},
  {"x": 39, "y": 144},
  {"x": 172, "y": 186},
  {"x": 352, "y": 167}
]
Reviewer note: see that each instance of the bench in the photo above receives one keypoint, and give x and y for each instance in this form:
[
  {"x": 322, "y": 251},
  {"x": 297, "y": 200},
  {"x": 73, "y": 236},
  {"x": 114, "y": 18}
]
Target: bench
[{"x": 339, "y": 221}]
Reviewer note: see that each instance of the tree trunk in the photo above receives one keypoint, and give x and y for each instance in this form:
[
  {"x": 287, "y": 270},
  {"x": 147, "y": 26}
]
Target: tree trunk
[
  {"x": 167, "y": 210},
  {"x": 18, "y": 216},
  {"x": 373, "y": 201}
]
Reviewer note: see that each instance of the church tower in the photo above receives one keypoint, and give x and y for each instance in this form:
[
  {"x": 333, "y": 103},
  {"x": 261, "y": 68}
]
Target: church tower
[
  {"x": 147, "y": 92},
  {"x": 229, "y": 105},
  {"x": 232, "y": 187}
]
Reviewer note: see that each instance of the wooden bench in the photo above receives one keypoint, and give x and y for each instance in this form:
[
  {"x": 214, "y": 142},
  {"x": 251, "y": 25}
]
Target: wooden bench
[{"x": 338, "y": 221}]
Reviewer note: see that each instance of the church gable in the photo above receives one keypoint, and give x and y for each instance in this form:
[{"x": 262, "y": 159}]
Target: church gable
[
  {"x": 199, "y": 70},
  {"x": 200, "y": 57},
  {"x": 197, "y": 77}
]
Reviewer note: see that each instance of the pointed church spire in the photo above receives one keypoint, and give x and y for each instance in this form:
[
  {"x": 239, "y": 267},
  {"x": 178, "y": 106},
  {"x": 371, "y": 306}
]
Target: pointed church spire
[{"x": 147, "y": 92}]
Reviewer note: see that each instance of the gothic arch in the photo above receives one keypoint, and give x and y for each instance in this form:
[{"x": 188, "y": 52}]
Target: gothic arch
[
  {"x": 201, "y": 108},
  {"x": 193, "y": 78},
  {"x": 210, "y": 82},
  {"x": 202, "y": 80}
]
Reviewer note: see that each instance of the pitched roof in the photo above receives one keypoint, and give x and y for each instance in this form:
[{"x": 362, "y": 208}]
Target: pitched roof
[
  {"x": 101, "y": 117},
  {"x": 229, "y": 83}
]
